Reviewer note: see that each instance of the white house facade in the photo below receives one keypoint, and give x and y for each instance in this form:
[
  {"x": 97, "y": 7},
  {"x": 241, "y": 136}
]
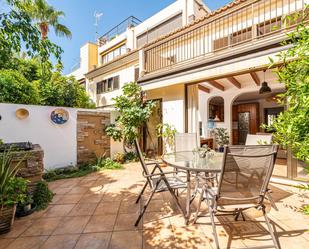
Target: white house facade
[{"x": 211, "y": 70}]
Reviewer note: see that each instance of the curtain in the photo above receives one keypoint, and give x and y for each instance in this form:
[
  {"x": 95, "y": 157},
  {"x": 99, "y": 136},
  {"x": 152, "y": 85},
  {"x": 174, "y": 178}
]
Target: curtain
[{"x": 193, "y": 109}]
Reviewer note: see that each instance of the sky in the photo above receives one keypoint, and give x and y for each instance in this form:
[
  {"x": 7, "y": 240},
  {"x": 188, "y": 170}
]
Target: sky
[{"x": 80, "y": 20}]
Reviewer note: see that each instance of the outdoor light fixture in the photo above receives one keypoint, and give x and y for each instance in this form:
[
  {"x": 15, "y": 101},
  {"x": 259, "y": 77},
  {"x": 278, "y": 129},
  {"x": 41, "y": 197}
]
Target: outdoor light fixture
[{"x": 264, "y": 88}]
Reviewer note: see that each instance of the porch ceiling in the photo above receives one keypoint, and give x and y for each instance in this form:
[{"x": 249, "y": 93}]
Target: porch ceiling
[{"x": 240, "y": 81}]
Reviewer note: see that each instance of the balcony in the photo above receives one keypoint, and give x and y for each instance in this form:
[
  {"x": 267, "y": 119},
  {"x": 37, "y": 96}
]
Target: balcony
[
  {"x": 119, "y": 29},
  {"x": 248, "y": 22}
]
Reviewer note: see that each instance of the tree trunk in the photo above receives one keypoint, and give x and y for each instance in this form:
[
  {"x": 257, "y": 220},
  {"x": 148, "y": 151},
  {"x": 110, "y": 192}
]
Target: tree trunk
[{"x": 44, "y": 30}]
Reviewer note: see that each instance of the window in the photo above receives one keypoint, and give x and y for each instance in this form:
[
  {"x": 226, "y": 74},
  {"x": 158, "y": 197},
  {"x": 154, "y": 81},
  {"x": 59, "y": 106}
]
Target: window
[
  {"x": 216, "y": 109},
  {"x": 241, "y": 35},
  {"x": 234, "y": 38},
  {"x": 159, "y": 30},
  {"x": 136, "y": 74},
  {"x": 116, "y": 83},
  {"x": 269, "y": 26},
  {"x": 114, "y": 54},
  {"x": 108, "y": 85}
]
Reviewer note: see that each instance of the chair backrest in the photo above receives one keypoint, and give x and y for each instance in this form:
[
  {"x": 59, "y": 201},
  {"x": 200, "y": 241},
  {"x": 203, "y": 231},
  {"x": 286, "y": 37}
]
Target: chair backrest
[
  {"x": 185, "y": 141},
  {"x": 258, "y": 139},
  {"x": 246, "y": 172},
  {"x": 142, "y": 161}
]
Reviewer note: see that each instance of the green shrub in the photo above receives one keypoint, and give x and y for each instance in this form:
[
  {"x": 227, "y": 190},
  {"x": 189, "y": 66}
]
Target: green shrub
[
  {"x": 64, "y": 91},
  {"x": 42, "y": 196},
  {"x": 106, "y": 163},
  {"x": 130, "y": 157},
  {"x": 110, "y": 164},
  {"x": 119, "y": 157},
  {"x": 14, "y": 88},
  {"x": 16, "y": 191},
  {"x": 101, "y": 163},
  {"x": 68, "y": 172}
]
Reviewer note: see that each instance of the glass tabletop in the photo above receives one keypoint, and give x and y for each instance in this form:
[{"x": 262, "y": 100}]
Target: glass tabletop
[{"x": 189, "y": 160}]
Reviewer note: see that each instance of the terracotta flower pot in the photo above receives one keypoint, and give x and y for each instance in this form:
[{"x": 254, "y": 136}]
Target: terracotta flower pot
[{"x": 6, "y": 218}]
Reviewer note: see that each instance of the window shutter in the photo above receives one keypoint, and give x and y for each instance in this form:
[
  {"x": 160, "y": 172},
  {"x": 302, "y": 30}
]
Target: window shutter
[
  {"x": 136, "y": 74},
  {"x": 116, "y": 82}
]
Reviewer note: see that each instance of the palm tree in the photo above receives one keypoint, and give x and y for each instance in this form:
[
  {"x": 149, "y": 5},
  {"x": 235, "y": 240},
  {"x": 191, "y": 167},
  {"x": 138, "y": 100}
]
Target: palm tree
[{"x": 46, "y": 16}]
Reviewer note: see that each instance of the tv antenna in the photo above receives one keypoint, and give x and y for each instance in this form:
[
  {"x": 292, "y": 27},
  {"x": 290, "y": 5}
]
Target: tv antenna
[{"x": 97, "y": 16}]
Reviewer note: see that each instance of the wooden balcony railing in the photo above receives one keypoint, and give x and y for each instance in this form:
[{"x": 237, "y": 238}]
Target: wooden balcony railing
[{"x": 247, "y": 22}]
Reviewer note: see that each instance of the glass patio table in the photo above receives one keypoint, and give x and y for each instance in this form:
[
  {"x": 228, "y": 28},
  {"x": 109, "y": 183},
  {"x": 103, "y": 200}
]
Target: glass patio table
[{"x": 191, "y": 162}]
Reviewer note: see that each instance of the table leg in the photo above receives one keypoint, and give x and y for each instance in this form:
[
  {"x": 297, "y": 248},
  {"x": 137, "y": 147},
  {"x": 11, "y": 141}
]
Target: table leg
[{"x": 188, "y": 201}]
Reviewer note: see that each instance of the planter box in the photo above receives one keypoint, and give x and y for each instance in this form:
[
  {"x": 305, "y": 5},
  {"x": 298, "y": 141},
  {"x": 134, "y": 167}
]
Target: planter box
[
  {"x": 6, "y": 218},
  {"x": 32, "y": 166}
]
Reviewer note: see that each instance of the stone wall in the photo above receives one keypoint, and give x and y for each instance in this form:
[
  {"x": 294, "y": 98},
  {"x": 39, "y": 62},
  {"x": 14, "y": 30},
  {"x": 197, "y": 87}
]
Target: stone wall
[
  {"x": 92, "y": 141},
  {"x": 32, "y": 165}
]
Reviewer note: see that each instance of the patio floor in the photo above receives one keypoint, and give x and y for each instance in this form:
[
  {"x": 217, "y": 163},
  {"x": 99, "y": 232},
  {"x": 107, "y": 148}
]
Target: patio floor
[{"x": 99, "y": 210}]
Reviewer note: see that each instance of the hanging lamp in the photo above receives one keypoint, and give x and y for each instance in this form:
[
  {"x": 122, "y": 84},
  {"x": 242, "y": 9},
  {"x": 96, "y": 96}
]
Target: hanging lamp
[{"x": 264, "y": 88}]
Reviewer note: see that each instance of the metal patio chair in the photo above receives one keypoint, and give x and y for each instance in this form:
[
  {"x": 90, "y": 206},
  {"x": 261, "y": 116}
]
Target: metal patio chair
[
  {"x": 185, "y": 142},
  {"x": 260, "y": 139},
  {"x": 158, "y": 182},
  {"x": 243, "y": 184}
]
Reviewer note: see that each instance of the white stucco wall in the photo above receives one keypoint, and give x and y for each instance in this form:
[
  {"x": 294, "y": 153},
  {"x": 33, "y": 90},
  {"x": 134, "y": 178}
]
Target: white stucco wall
[
  {"x": 173, "y": 105},
  {"x": 57, "y": 141},
  {"x": 126, "y": 75}
]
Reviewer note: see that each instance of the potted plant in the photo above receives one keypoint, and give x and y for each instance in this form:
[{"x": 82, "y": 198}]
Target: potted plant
[
  {"x": 222, "y": 138},
  {"x": 12, "y": 190},
  {"x": 25, "y": 207}
]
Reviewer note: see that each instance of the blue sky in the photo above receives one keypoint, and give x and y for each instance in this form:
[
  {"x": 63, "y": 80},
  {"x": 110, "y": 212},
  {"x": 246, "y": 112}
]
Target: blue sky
[{"x": 80, "y": 19}]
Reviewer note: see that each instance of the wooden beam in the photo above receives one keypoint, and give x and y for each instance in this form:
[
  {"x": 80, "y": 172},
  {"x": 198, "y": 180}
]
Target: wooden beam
[
  {"x": 216, "y": 84},
  {"x": 234, "y": 81},
  {"x": 204, "y": 89},
  {"x": 255, "y": 78}
]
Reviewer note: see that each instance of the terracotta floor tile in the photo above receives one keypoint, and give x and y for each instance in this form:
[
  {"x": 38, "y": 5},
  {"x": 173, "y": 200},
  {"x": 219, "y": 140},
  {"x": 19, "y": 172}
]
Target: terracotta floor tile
[
  {"x": 61, "y": 191},
  {"x": 82, "y": 209},
  {"x": 156, "y": 220},
  {"x": 156, "y": 206},
  {"x": 107, "y": 208},
  {"x": 70, "y": 183},
  {"x": 58, "y": 210},
  {"x": 18, "y": 228},
  {"x": 125, "y": 222},
  {"x": 43, "y": 226},
  {"x": 56, "y": 198},
  {"x": 126, "y": 240},
  {"x": 96, "y": 188},
  {"x": 78, "y": 190},
  {"x": 93, "y": 241},
  {"x": 61, "y": 242},
  {"x": 127, "y": 207},
  {"x": 70, "y": 199},
  {"x": 28, "y": 242},
  {"x": 110, "y": 197},
  {"x": 91, "y": 198},
  {"x": 163, "y": 226},
  {"x": 100, "y": 224},
  {"x": 71, "y": 225},
  {"x": 4, "y": 243}
]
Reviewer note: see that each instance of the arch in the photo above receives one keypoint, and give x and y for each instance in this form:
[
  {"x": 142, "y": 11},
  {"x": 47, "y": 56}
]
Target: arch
[{"x": 216, "y": 108}]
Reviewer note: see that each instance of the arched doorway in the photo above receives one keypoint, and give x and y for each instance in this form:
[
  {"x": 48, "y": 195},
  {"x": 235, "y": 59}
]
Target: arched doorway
[{"x": 249, "y": 112}]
